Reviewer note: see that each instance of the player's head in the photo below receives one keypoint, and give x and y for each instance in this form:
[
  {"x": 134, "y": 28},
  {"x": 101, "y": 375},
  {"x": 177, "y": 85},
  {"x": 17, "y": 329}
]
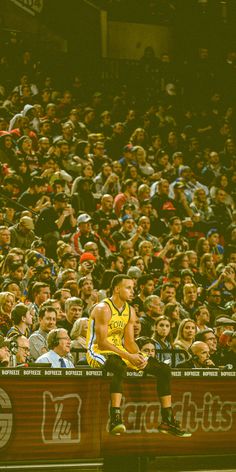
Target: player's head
[{"x": 123, "y": 286}]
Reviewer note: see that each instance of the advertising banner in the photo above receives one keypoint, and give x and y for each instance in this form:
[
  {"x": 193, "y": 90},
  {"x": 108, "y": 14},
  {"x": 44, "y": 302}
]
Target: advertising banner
[{"x": 62, "y": 414}]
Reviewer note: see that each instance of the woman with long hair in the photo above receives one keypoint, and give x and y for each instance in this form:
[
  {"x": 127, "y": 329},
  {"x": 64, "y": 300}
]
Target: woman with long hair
[
  {"x": 140, "y": 138},
  {"x": 161, "y": 337},
  {"x": 7, "y": 302},
  {"x": 207, "y": 271},
  {"x": 202, "y": 247},
  {"x": 172, "y": 312},
  {"x": 222, "y": 182},
  {"x": 78, "y": 336},
  {"x": 185, "y": 337}
]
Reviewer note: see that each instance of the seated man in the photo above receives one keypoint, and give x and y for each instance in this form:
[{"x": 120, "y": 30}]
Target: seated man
[
  {"x": 73, "y": 310},
  {"x": 199, "y": 357},
  {"x": 38, "y": 339},
  {"x": 59, "y": 344}
]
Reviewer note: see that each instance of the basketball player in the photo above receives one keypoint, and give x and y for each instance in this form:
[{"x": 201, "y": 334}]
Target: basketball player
[{"x": 111, "y": 346}]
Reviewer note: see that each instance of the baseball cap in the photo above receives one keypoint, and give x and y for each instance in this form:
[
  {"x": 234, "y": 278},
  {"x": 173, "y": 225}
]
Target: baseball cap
[
  {"x": 84, "y": 218},
  {"x": 224, "y": 321},
  {"x": 126, "y": 217},
  {"x": 87, "y": 256},
  {"x": 27, "y": 222},
  {"x": 212, "y": 231},
  {"x": 128, "y": 148},
  {"x": 4, "y": 342},
  {"x": 61, "y": 197}
]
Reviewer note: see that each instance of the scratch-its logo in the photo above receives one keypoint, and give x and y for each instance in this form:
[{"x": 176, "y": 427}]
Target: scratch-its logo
[
  {"x": 61, "y": 419},
  {"x": 6, "y": 418}
]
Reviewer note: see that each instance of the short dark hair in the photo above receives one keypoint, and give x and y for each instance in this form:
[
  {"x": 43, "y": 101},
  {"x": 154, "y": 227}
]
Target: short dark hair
[
  {"x": 113, "y": 258},
  {"x": 166, "y": 285},
  {"x": 44, "y": 309},
  {"x": 37, "y": 287},
  {"x": 200, "y": 336},
  {"x": 18, "y": 312},
  {"x": 58, "y": 294},
  {"x": 118, "y": 279},
  {"x": 142, "y": 340},
  {"x": 173, "y": 218},
  {"x": 144, "y": 279}
]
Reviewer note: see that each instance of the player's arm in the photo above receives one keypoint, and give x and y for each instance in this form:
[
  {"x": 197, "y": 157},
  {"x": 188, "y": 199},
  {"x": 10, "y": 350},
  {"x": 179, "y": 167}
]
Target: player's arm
[
  {"x": 129, "y": 342},
  {"x": 102, "y": 315}
]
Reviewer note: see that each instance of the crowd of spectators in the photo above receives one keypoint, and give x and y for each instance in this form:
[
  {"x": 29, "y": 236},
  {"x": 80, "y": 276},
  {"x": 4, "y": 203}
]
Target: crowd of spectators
[{"x": 97, "y": 187}]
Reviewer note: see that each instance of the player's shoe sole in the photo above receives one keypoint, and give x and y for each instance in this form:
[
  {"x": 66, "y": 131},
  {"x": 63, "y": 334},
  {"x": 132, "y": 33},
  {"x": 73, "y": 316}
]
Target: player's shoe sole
[
  {"x": 168, "y": 429},
  {"x": 118, "y": 429}
]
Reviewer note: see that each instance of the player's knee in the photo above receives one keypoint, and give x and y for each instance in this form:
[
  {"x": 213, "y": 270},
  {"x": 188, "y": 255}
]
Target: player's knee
[{"x": 116, "y": 365}]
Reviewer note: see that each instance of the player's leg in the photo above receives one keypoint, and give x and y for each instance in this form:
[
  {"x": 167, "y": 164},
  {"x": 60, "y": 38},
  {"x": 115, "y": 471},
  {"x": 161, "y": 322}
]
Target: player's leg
[
  {"x": 115, "y": 365},
  {"x": 162, "y": 372}
]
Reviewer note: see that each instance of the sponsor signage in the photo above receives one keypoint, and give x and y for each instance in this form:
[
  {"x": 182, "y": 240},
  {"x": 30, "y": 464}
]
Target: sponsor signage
[{"x": 64, "y": 415}]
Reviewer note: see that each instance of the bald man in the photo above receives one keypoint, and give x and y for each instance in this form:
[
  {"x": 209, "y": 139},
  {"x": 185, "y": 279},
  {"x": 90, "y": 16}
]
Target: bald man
[{"x": 200, "y": 357}]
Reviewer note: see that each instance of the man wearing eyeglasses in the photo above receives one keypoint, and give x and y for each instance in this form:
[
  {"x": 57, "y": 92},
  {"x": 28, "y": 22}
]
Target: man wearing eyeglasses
[
  {"x": 208, "y": 336},
  {"x": 58, "y": 355},
  {"x": 22, "y": 352}
]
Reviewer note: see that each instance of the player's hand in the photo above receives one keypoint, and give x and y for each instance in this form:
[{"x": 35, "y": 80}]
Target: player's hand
[
  {"x": 209, "y": 363},
  {"x": 138, "y": 360}
]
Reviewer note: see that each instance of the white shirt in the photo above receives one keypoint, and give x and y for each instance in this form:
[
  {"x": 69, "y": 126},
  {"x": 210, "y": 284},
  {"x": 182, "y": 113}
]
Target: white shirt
[{"x": 54, "y": 359}]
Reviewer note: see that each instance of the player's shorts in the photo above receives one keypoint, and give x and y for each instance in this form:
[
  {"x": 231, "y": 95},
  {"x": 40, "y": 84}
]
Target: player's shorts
[{"x": 97, "y": 358}]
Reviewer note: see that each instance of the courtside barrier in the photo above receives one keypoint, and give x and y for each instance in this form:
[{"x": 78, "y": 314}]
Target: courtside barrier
[{"x": 62, "y": 414}]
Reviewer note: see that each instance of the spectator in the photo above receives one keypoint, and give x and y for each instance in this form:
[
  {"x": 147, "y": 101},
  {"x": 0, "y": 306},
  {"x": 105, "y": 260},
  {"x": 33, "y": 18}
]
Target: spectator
[
  {"x": 40, "y": 292},
  {"x": 146, "y": 346},
  {"x": 22, "y": 356},
  {"x": 190, "y": 302},
  {"x": 207, "y": 336},
  {"x": 172, "y": 312},
  {"x": 53, "y": 220},
  {"x": 22, "y": 234},
  {"x": 73, "y": 311},
  {"x": 152, "y": 309},
  {"x": 146, "y": 288},
  {"x": 84, "y": 234},
  {"x": 202, "y": 318},
  {"x": 230, "y": 356},
  {"x": 5, "y": 240},
  {"x": 161, "y": 337},
  {"x": 78, "y": 336},
  {"x": 59, "y": 344},
  {"x": 199, "y": 357},
  {"x": 22, "y": 318},
  {"x": 38, "y": 339},
  {"x": 185, "y": 336},
  {"x": 7, "y": 302},
  {"x": 5, "y": 355}
]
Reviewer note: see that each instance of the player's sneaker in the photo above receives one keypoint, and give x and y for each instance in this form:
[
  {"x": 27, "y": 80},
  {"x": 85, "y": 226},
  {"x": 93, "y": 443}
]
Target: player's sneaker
[
  {"x": 173, "y": 427},
  {"x": 116, "y": 425}
]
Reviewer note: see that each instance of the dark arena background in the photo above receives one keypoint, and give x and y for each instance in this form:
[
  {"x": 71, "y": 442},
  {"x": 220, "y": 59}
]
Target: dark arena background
[{"x": 166, "y": 68}]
